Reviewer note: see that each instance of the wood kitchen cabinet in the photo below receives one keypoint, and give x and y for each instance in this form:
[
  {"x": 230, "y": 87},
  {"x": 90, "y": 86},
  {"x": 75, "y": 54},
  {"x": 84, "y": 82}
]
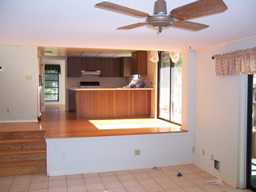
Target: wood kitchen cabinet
[
  {"x": 113, "y": 103},
  {"x": 74, "y": 67},
  {"x": 139, "y": 63},
  {"x": 90, "y": 64},
  {"x": 106, "y": 67},
  {"x": 110, "y": 67},
  {"x": 71, "y": 100},
  {"x": 116, "y": 67},
  {"x": 126, "y": 66}
]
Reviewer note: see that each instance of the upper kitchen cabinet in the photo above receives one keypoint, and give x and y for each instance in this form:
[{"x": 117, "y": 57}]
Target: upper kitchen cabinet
[
  {"x": 90, "y": 64},
  {"x": 139, "y": 63},
  {"x": 74, "y": 67},
  {"x": 110, "y": 67},
  {"x": 126, "y": 66},
  {"x": 116, "y": 67}
]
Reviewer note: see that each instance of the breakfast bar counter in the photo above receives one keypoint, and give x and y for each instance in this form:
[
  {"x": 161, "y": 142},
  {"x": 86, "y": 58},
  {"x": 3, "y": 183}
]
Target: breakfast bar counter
[{"x": 112, "y": 103}]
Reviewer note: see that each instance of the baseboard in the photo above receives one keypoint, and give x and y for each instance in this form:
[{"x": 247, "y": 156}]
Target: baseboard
[
  {"x": 218, "y": 175},
  {"x": 73, "y": 172},
  {"x": 18, "y": 121}
]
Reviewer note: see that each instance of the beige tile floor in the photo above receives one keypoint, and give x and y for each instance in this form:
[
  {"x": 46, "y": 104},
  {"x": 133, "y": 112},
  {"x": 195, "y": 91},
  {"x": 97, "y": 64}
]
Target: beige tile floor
[{"x": 194, "y": 179}]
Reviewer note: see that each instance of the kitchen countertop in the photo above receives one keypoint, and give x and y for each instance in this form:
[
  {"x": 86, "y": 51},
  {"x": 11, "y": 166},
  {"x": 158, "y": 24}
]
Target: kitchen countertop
[{"x": 111, "y": 89}]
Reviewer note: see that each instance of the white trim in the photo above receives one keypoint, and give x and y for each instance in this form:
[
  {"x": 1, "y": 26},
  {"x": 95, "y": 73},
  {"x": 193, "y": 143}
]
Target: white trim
[
  {"x": 242, "y": 132},
  {"x": 73, "y": 172},
  {"x": 132, "y": 137},
  {"x": 19, "y": 121}
]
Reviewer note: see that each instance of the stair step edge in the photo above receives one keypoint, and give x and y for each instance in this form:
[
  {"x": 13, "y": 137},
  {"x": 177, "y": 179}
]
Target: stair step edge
[
  {"x": 21, "y": 140},
  {"x": 24, "y": 163},
  {"x": 23, "y": 151}
]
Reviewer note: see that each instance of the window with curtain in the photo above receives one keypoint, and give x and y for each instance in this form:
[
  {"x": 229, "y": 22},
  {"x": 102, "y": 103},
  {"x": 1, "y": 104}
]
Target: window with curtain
[
  {"x": 169, "y": 88},
  {"x": 51, "y": 91}
]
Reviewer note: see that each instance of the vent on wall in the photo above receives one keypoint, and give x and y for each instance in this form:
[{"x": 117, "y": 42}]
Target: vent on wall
[{"x": 217, "y": 164}]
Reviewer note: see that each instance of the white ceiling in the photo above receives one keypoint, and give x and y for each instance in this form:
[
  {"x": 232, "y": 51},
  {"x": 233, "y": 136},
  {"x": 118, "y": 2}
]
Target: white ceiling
[{"x": 77, "y": 23}]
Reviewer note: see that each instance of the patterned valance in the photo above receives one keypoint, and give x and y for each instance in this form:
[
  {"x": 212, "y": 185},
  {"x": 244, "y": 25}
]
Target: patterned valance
[
  {"x": 52, "y": 67},
  {"x": 236, "y": 63}
]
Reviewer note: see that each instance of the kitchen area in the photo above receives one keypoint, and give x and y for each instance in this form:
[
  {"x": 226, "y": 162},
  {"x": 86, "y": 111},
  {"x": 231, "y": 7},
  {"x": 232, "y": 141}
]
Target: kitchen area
[{"x": 109, "y": 87}]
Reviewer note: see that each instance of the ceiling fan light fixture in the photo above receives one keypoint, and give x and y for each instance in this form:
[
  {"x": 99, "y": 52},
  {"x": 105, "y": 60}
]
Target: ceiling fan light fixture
[{"x": 160, "y": 21}]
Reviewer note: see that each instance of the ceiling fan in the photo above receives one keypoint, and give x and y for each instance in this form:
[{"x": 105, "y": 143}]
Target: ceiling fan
[{"x": 176, "y": 18}]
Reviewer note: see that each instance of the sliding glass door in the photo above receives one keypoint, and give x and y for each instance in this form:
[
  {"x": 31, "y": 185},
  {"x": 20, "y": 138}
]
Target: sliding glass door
[
  {"x": 169, "y": 88},
  {"x": 251, "y": 138}
]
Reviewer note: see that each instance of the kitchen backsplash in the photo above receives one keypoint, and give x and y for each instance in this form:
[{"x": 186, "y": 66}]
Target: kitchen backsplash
[{"x": 105, "y": 82}]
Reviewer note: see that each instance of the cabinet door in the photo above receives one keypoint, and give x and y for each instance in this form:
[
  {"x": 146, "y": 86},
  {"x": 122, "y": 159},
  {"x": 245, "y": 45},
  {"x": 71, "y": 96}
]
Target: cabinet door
[
  {"x": 139, "y": 63},
  {"x": 74, "y": 67},
  {"x": 106, "y": 67},
  {"x": 134, "y": 65},
  {"x": 142, "y": 63},
  {"x": 126, "y": 66},
  {"x": 71, "y": 100},
  {"x": 116, "y": 67},
  {"x": 90, "y": 64}
]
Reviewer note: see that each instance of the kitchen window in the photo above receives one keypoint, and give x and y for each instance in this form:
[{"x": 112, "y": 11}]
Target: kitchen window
[
  {"x": 169, "y": 87},
  {"x": 51, "y": 91}
]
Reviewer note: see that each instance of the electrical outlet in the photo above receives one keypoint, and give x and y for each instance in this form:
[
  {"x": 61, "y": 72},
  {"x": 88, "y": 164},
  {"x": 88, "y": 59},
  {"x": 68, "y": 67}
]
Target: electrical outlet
[
  {"x": 137, "y": 152},
  {"x": 193, "y": 150},
  {"x": 203, "y": 152},
  {"x": 212, "y": 157}
]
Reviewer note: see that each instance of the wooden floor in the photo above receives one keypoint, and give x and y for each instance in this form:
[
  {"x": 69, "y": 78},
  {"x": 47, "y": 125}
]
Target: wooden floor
[{"x": 61, "y": 124}]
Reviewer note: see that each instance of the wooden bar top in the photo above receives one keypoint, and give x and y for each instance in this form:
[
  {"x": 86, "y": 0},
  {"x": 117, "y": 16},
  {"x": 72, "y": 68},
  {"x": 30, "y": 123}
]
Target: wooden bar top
[{"x": 111, "y": 89}]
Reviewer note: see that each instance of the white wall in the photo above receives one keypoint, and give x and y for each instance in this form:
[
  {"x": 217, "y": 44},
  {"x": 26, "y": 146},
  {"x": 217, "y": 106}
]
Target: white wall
[
  {"x": 62, "y": 80},
  {"x": 18, "y": 83},
  {"x": 218, "y": 118},
  {"x": 112, "y": 153}
]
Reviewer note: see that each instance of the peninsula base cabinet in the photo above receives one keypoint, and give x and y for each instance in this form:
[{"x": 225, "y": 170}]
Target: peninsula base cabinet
[
  {"x": 109, "y": 104},
  {"x": 71, "y": 101}
]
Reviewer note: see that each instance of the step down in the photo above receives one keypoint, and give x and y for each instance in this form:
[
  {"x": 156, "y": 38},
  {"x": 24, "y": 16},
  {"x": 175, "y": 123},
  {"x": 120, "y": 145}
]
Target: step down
[
  {"x": 22, "y": 134},
  {"x": 22, "y": 168},
  {"x": 21, "y": 144},
  {"x": 22, "y": 155}
]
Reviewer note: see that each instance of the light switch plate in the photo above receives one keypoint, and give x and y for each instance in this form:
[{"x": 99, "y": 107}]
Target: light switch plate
[{"x": 29, "y": 77}]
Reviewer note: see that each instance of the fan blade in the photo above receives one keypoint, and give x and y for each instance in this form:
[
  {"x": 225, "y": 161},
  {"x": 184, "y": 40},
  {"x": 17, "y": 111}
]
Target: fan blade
[
  {"x": 121, "y": 9},
  {"x": 192, "y": 26},
  {"x": 133, "y": 25},
  {"x": 198, "y": 9}
]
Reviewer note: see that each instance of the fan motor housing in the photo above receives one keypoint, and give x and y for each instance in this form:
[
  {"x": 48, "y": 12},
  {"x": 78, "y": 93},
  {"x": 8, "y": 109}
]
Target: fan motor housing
[{"x": 160, "y": 20}]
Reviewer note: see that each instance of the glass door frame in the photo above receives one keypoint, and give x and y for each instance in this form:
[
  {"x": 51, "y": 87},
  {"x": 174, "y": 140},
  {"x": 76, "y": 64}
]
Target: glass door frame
[
  {"x": 249, "y": 134},
  {"x": 158, "y": 89}
]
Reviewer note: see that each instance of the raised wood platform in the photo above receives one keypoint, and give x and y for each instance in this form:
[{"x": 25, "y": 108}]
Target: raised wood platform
[
  {"x": 23, "y": 148},
  {"x": 22, "y": 152},
  {"x": 57, "y": 123}
]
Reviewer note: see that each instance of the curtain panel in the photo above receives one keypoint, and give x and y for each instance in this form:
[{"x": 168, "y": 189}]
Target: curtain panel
[{"x": 236, "y": 63}]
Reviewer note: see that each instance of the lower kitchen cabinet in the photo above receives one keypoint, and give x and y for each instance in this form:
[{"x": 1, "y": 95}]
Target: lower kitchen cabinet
[
  {"x": 71, "y": 100},
  {"x": 113, "y": 103}
]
